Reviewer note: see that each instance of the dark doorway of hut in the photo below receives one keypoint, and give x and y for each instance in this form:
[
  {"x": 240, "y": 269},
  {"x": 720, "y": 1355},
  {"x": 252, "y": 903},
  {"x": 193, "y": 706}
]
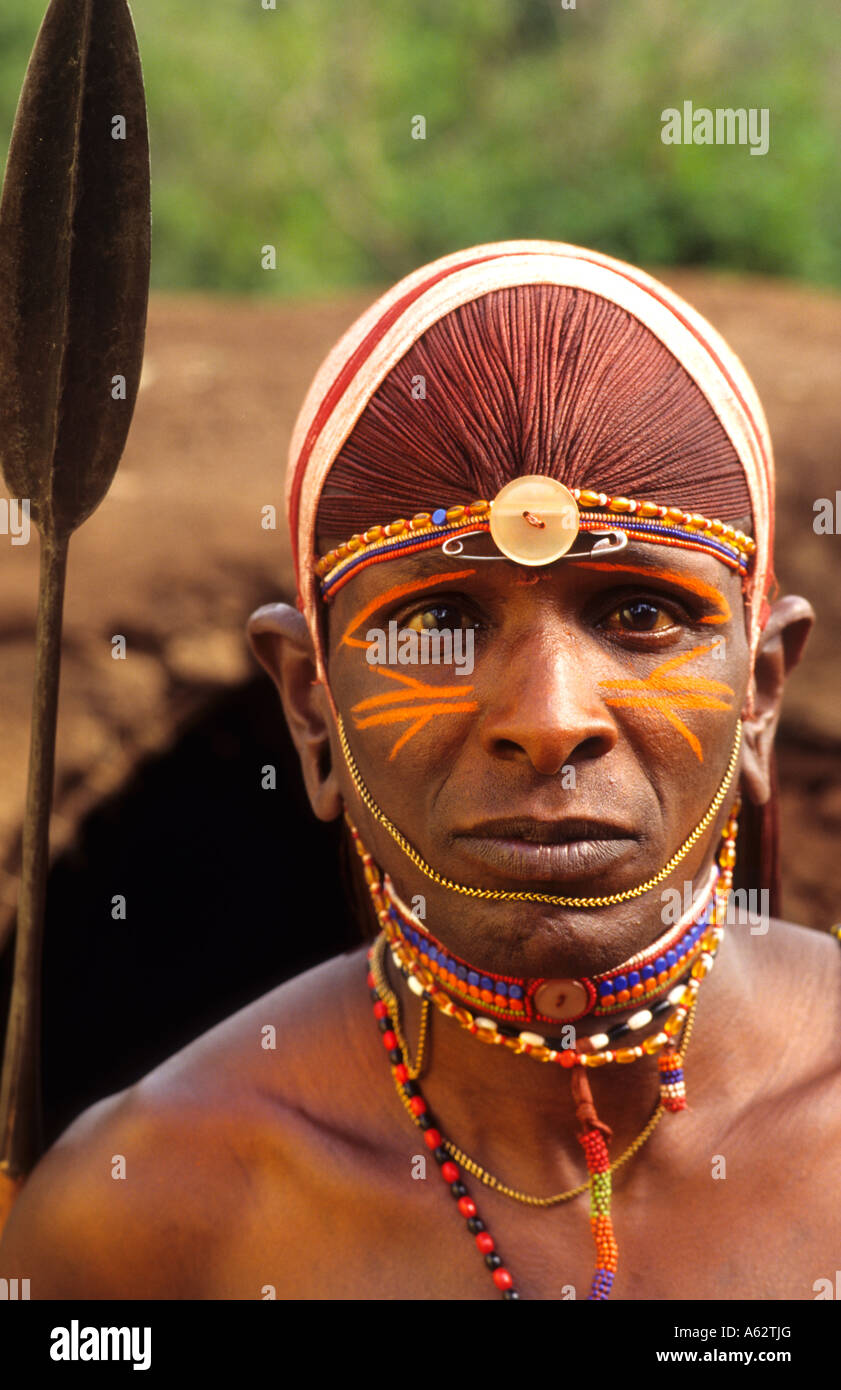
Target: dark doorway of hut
[{"x": 229, "y": 887}]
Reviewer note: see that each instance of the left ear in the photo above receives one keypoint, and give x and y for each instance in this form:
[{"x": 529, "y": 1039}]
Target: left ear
[{"x": 780, "y": 649}]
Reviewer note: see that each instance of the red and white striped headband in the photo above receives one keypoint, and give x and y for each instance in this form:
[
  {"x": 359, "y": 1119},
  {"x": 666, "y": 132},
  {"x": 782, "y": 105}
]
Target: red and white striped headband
[{"x": 362, "y": 359}]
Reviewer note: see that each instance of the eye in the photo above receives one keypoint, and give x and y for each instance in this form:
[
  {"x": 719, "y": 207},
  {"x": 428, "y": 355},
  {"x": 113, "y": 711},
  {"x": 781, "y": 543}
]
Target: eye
[
  {"x": 640, "y": 615},
  {"x": 440, "y": 618}
]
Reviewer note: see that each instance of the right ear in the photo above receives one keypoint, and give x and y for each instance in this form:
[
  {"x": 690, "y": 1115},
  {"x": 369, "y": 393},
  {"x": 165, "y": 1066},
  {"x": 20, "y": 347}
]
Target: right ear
[{"x": 281, "y": 642}]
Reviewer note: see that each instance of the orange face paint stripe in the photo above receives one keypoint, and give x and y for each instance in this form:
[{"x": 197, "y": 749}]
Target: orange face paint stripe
[
  {"x": 682, "y": 691},
  {"x": 661, "y": 682},
  {"x": 669, "y": 701},
  {"x": 390, "y": 595},
  {"x": 426, "y": 692},
  {"x": 685, "y": 581},
  {"x": 392, "y": 716},
  {"x": 420, "y": 715}
]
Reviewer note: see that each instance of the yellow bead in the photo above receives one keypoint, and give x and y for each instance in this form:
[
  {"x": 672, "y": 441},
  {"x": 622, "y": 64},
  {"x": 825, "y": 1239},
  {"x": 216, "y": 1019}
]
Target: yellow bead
[{"x": 627, "y": 1054}]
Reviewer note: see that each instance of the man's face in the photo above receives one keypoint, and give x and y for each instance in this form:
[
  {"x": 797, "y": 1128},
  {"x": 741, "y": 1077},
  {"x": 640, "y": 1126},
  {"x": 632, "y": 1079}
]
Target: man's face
[{"x": 575, "y": 757}]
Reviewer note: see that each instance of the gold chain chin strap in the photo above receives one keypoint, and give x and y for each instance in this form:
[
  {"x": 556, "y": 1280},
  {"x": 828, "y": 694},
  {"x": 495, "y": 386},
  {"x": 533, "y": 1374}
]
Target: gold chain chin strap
[
  {"x": 499, "y": 896},
  {"x": 469, "y": 1164}
]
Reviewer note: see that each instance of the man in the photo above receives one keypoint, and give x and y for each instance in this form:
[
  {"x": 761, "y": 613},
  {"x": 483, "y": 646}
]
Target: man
[{"x": 543, "y": 452}]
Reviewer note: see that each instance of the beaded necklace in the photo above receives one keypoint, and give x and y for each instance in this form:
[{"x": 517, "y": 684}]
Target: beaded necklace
[
  {"x": 449, "y": 1157},
  {"x": 646, "y": 976},
  {"x": 592, "y": 1052},
  {"x": 593, "y": 1133},
  {"x": 390, "y": 1007}
]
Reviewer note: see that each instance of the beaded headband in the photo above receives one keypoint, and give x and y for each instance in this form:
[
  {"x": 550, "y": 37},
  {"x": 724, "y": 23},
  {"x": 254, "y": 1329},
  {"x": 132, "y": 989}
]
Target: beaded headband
[
  {"x": 363, "y": 358},
  {"x": 516, "y": 514}
]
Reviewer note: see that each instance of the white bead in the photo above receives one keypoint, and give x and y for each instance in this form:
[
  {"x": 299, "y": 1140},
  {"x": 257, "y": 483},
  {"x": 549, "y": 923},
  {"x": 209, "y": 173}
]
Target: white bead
[
  {"x": 639, "y": 1020},
  {"x": 415, "y": 986},
  {"x": 675, "y": 995},
  {"x": 598, "y": 1041},
  {"x": 533, "y": 1038},
  {"x": 485, "y": 1023}
]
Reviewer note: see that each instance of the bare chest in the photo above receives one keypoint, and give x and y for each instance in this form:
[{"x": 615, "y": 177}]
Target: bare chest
[{"x": 758, "y": 1224}]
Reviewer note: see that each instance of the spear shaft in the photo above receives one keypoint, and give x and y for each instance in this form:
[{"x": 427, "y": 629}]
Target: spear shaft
[
  {"x": 20, "y": 1092},
  {"x": 74, "y": 282}
]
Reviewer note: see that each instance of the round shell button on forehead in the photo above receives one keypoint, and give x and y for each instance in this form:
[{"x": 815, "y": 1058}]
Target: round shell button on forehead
[{"x": 534, "y": 520}]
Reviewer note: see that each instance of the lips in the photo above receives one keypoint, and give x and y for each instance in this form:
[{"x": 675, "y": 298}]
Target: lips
[{"x": 547, "y": 851}]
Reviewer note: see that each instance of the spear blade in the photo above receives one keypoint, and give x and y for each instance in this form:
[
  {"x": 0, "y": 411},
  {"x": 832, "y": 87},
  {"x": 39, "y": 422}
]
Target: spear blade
[
  {"x": 74, "y": 262},
  {"x": 75, "y": 234}
]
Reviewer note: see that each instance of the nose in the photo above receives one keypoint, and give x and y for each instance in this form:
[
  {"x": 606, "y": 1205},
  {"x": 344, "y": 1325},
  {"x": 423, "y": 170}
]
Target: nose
[{"x": 543, "y": 706}]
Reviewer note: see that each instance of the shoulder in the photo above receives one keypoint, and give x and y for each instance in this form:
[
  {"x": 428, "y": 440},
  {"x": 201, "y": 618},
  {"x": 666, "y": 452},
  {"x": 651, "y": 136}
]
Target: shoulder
[
  {"x": 143, "y": 1193},
  {"x": 792, "y": 988}
]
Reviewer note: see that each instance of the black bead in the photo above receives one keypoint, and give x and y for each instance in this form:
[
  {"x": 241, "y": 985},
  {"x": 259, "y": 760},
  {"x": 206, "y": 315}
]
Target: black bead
[
  {"x": 440, "y": 1154},
  {"x": 661, "y": 1008},
  {"x": 618, "y": 1032},
  {"x": 510, "y": 1293},
  {"x": 458, "y": 1189},
  {"x": 424, "y": 1122},
  {"x": 493, "y": 1261},
  {"x": 410, "y": 1089},
  {"x": 384, "y": 1024},
  {"x": 475, "y": 1225},
  {"x": 395, "y": 1056},
  {"x": 375, "y": 995}
]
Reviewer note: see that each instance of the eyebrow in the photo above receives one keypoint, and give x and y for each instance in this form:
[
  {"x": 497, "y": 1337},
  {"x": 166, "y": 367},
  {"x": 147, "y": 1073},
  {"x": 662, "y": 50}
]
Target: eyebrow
[
  {"x": 690, "y": 582},
  {"x": 391, "y": 595}
]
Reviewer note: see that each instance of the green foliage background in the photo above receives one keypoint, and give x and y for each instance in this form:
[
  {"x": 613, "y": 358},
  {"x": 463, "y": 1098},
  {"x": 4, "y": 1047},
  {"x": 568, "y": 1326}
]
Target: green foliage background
[{"x": 293, "y": 127}]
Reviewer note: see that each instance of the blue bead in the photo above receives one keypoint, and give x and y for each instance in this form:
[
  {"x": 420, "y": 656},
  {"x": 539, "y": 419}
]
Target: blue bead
[
  {"x": 671, "y": 958},
  {"x": 620, "y": 982},
  {"x": 461, "y": 972},
  {"x": 515, "y": 992},
  {"x": 501, "y": 988},
  {"x": 605, "y": 987},
  {"x": 487, "y": 984},
  {"x": 648, "y": 972},
  {"x": 634, "y": 979},
  {"x": 472, "y": 978},
  {"x": 439, "y": 516},
  {"x": 659, "y": 965},
  {"x": 433, "y": 953}
]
